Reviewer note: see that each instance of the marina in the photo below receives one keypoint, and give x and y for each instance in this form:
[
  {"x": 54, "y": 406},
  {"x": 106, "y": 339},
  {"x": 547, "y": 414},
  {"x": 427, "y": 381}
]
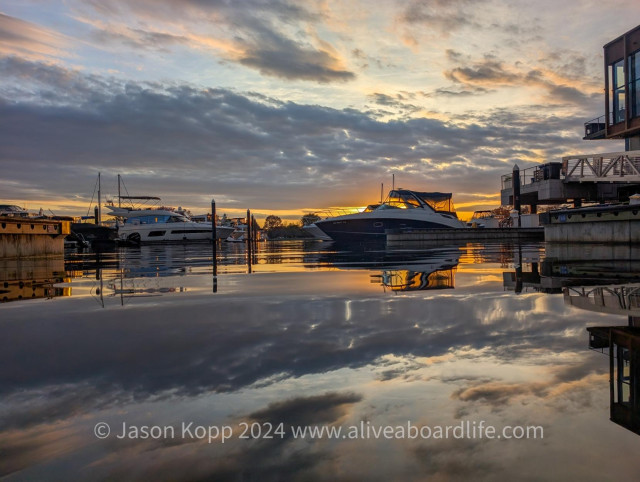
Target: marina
[{"x": 252, "y": 310}]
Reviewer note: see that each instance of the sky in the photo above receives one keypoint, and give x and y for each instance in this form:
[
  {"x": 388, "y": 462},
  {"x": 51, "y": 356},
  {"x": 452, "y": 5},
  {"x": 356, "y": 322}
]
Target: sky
[{"x": 290, "y": 106}]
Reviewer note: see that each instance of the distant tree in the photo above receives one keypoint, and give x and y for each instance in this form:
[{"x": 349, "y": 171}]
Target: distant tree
[
  {"x": 272, "y": 222},
  {"x": 308, "y": 219}
]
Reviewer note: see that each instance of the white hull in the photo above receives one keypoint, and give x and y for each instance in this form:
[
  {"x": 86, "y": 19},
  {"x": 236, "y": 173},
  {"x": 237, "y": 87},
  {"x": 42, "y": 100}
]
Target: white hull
[
  {"x": 171, "y": 232},
  {"x": 316, "y": 232}
]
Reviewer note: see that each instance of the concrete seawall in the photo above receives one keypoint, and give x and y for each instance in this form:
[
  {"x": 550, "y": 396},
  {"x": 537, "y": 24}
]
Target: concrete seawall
[
  {"x": 606, "y": 224},
  {"x": 21, "y": 237}
]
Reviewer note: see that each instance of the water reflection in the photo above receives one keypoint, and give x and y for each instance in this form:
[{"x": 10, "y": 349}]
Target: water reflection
[
  {"x": 622, "y": 343},
  {"x": 28, "y": 279},
  {"x": 322, "y": 337},
  {"x": 605, "y": 280}
]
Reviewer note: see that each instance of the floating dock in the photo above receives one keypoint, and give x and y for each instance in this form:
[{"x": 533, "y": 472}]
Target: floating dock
[
  {"x": 464, "y": 234},
  {"x": 24, "y": 237}
]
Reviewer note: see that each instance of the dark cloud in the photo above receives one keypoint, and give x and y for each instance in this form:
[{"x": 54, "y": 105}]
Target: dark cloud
[
  {"x": 274, "y": 54},
  {"x": 328, "y": 408},
  {"x": 440, "y": 461},
  {"x": 254, "y": 33},
  {"x": 457, "y": 92},
  {"x": 490, "y": 72},
  {"x": 487, "y": 71},
  {"x": 180, "y": 141},
  {"x": 445, "y": 16}
]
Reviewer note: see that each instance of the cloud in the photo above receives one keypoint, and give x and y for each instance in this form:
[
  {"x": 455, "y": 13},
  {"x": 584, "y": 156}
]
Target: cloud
[
  {"x": 265, "y": 36},
  {"x": 274, "y": 54},
  {"x": 567, "y": 87},
  {"x": 441, "y": 15},
  {"x": 28, "y": 40},
  {"x": 328, "y": 408},
  {"x": 178, "y": 140}
]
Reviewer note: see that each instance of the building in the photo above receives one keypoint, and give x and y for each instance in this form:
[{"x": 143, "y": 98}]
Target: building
[
  {"x": 621, "y": 119},
  {"x": 593, "y": 178}
]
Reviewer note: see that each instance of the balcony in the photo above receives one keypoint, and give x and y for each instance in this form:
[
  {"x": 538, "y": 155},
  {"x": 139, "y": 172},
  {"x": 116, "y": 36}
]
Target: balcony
[{"x": 595, "y": 128}]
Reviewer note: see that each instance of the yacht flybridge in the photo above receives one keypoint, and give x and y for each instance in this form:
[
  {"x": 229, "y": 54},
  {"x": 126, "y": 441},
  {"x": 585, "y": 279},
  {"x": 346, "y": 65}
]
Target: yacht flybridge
[{"x": 402, "y": 210}]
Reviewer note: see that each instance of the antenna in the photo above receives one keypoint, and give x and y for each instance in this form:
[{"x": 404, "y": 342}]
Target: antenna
[{"x": 393, "y": 182}]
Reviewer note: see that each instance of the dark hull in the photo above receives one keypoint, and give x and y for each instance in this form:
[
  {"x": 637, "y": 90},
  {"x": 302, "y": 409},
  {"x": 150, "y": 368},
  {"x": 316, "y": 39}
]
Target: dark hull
[
  {"x": 98, "y": 236},
  {"x": 371, "y": 229}
]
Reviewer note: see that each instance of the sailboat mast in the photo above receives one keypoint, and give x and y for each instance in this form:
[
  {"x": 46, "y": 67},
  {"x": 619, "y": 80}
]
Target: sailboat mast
[
  {"x": 99, "y": 201},
  {"x": 119, "y": 198}
]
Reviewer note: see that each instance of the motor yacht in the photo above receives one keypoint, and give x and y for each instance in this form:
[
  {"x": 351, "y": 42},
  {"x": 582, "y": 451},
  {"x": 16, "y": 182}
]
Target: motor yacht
[
  {"x": 403, "y": 210},
  {"x": 164, "y": 225}
]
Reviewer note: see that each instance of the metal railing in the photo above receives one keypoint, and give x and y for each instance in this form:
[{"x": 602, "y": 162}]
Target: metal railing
[
  {"x": 530, "y": 175},
  {"x": 594, "y": 167},
  {"x": 595, "y": 126}
]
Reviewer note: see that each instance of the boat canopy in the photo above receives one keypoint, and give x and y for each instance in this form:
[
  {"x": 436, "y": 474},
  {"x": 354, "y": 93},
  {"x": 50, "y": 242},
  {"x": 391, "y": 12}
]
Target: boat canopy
[
  {"x": 438, "y": 201},
  {"x": 141, "y": 198}
]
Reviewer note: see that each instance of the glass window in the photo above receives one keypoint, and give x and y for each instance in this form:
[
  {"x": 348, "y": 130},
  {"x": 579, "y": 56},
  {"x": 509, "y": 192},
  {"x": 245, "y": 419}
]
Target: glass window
[
  {"x": 634, "y": 83},
  {"x": 147, "y": 220},
  {"x": 617, "y": 86},
  {"x": 402, "y": 200}
]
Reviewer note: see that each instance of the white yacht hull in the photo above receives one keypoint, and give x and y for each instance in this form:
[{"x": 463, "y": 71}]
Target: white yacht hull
[{"x": 170, "y": 232}]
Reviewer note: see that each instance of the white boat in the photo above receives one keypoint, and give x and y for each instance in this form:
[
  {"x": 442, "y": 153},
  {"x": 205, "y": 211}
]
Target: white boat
[
  {"x": 403, "y": 210},
  {"x": 156, "y": 225},
  {"x": 13, "y": 211}
]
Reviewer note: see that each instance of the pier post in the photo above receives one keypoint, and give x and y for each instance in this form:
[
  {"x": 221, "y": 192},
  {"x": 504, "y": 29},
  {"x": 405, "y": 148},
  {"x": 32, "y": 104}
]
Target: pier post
[
  {"x": 515, "y": 180},
  {"x": 214, "y": 243},
  {"x": 249, "y": 244}
]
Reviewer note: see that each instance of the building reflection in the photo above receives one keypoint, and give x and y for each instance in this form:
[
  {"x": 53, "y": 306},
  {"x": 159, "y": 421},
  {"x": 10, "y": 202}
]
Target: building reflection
[
  {"x": 567, "y": 266},
  {"x": 33, "y": 278},
  {"x": 602, "y": 279},
  {"x": 622, "y": 344}
]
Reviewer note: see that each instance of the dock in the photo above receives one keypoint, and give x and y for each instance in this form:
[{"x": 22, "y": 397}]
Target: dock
[
  {"x": 24, "y": 237},
  {"x": 470, "y": 234},
  {"x": 598, "y": 224}
]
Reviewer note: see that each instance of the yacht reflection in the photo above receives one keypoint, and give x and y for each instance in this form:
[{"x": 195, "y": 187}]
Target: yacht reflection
[
  {"x": 27, "y": 279},
  {"x": 401, "y": 271},
  {"x": 410, "y": 280}
]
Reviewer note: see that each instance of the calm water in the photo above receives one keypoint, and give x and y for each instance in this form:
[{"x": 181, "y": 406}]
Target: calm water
[{"x": 312, "y": 337}]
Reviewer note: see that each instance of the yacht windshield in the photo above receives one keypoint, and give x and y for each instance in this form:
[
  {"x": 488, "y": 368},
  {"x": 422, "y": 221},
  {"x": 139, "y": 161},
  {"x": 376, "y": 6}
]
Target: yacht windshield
[{"x": 401, "y": 200}]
